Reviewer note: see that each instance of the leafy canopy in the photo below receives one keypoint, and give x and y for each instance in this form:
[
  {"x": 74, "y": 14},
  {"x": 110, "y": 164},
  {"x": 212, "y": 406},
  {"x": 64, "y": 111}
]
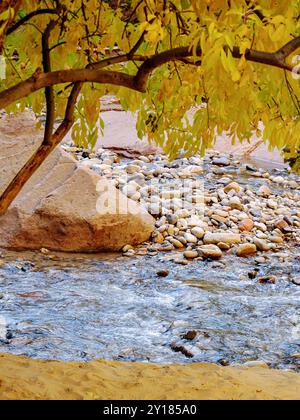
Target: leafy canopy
[{"x": 224, "y": 92}]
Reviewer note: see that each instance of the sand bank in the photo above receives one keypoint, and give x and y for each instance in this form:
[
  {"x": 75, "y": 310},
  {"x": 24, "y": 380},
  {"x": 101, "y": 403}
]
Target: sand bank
[{"x": 22, "y": 378}]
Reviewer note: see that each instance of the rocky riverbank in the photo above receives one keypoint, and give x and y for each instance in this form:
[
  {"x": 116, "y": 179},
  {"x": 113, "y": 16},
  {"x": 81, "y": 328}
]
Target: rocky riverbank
[{"x": 206, "y": 207}]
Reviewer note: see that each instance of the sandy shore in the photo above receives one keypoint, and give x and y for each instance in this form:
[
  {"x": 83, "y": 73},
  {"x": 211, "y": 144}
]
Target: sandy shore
[{"x": 22, "y": 378}]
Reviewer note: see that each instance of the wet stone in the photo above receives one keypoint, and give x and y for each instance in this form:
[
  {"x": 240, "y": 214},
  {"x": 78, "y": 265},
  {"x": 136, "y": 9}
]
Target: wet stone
[
  {"x": 163, "y": 273},
  {"x": 267, "y": 280},
  {"x": 190, "y": 335},
  {"x": 296, "y": 281},
  {"x": 210, "y": 251}
]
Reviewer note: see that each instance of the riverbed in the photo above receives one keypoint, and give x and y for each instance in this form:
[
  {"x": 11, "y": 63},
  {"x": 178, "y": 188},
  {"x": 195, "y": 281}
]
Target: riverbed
[{"x": 76, "y": 307}]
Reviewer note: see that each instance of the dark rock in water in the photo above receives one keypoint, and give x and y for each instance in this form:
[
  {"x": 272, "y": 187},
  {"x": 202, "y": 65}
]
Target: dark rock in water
[
  {"x": 267, "y": 280},
  {"x": 163, "y": 273},
  {"x": 85, "y": 154},
  {"x": 251, "y": 168},
  {"x": 181, "y": 349},
  {"x": 252, "y": 275},
  {"x": 190, "y": 335},
  {"x": 223, "y": 362},
  {"x": 9, "y": 335},
  {"x": 296, "y": 281}
]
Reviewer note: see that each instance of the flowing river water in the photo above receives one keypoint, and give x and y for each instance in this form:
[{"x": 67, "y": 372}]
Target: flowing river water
[{"x": 74, "y": 307}]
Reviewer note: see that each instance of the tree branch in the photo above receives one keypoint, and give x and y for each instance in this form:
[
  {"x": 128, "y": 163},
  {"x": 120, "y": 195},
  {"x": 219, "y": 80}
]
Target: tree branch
[
  {"x": 49, "y": 92},
  {"x": 41, "y": 80},
  {"x": 270, "y": 59},
  {"x": 276, "y": 59},
  {"x": 157, "y": 60},
  {"x": 288, "y": 49},
  {"x": 139, "y": 81},
  {"x": 28, "y": 17}
]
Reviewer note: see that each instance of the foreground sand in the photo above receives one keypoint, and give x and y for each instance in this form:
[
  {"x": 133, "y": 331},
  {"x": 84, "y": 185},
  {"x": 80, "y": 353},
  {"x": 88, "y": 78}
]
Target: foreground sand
[{"x": 22, "y": 378}]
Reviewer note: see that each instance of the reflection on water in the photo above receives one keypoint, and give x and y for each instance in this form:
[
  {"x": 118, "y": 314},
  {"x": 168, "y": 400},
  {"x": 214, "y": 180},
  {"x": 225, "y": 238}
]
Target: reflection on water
[{"x": 80, "y": 308}]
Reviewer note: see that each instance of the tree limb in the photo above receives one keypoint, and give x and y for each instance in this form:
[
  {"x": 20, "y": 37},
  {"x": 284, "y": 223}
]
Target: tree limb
[
  {"x": 288, "y": 49},
  {"x": 139, "y": 81},
  {"x": 276, "y": 59},
  {"x": 49, "y": 91},
  {"x": 41, "y": 80},
  {"x": 28, "y": 17}
]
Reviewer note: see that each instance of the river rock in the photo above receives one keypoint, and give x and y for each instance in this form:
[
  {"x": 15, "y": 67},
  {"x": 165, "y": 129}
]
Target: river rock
[
  {"x": 227, "y": 238},
  {"x": 198, "y": 232},
  {"x": 272, "y": 204},
  {"x": 163, "y": 273},
  {"x": 256, "y": 364},
  {"x": 176, "y": 243},
  {"x": 267, "y": 280},
  {"x": 264, "y": 191},
  {"x": 261, "y": 244},
  {"x": 223, "y": 246},
  {"x": 63, "y": 206},
  {"x": 296, "y": 281},
  {"x": 132, "y": 169},
  {"x": 171, "y": 219},
  {"x": 190, "y": 238},
  {"x": 221, "y": 161},
  {"x": 278, "y": 180},
  {"x": 232, "y": 186},
  {"x": 246, "y": 225},
  {"x": 245, "y": 250},
  {"x": 235, "y": 203},
  {"x": 190, "y": 255},
  {"x": 210, "y": 251},
  {"x": 282, "y": 225},
  {"x": 127, "y": 248},
  {"x": 276, "y": 239}
]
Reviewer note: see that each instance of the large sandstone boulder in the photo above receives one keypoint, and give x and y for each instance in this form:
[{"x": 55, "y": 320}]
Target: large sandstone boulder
[{"x": 63, "y": 207}]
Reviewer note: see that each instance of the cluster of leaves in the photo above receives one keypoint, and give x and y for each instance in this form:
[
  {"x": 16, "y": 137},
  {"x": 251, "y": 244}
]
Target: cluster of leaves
[{"x": 187, "y": 102}]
